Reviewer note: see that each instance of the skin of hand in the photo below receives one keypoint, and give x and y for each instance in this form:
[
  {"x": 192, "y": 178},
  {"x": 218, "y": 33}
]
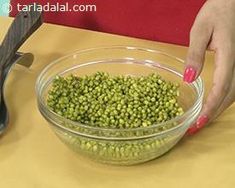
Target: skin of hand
[{"x": 213, "y": 29}]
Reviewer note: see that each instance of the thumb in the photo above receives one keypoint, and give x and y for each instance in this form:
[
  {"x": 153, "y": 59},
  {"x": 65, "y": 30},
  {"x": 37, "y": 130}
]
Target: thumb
[{"x": 199, "y": 39}]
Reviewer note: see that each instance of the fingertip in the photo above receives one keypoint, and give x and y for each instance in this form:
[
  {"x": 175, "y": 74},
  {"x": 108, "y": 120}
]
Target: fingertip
[
  {"x": 189, "y": 74},
  {"x": 194, "y": 65},
  {"x": 200, "y": 123},
  {"x": 192, "y": 130}
]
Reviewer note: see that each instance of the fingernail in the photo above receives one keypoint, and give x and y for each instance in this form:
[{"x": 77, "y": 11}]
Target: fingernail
[
  {"x": 189, "y": 74},
  {"x": 192, "y": 130},
  {"x": 201, "y": 122}
]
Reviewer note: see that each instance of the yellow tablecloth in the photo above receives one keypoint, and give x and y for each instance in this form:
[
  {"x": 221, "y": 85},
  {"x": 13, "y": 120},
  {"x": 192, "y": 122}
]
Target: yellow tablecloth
[{"x": 32, "y": 156}]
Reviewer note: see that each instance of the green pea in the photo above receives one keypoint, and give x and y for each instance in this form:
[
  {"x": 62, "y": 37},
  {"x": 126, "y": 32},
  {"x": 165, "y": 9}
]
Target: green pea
[{"x": 114, "y": 102}]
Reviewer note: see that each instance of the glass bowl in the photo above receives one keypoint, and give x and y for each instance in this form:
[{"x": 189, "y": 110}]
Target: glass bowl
[{"x": 121, "y": 146}]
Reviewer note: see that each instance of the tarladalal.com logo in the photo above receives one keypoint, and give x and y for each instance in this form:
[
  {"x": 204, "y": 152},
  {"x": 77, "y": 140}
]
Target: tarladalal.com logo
[
  {"x": 48, "y": 7},
  {"x": 5, "y": 8}
]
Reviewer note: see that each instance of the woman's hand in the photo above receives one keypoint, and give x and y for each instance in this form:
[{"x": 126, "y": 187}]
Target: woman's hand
[{"x": 214, "y": 29}]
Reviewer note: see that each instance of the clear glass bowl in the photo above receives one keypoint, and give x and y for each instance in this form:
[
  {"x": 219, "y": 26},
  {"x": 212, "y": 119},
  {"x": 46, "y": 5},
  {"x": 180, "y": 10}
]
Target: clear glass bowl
[{"x": 121, "y": 146}]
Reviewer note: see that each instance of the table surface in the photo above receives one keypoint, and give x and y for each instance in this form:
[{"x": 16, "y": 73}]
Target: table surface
[{"x": 32, "y": 156}]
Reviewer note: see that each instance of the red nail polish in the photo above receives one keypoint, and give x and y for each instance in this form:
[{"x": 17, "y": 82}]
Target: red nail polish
[
  {"x": 192, "y": 130},
  {"x": 201, "y": 122},
  {"x": 189, "y": 74}
]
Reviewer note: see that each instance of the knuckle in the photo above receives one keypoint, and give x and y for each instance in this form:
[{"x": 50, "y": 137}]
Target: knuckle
[
  {"x": 195, "y": 57},
  {"x": 221, "y": 91}
]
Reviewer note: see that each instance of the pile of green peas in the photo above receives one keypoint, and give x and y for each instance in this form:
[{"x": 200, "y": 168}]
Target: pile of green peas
[
  {"x": 120, "y": 152},
  {"x": 105, "y": 101}
]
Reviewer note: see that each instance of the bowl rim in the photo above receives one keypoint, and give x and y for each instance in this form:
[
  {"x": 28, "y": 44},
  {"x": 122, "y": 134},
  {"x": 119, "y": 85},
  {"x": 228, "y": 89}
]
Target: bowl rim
[{"x": 198, "y": 82}]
